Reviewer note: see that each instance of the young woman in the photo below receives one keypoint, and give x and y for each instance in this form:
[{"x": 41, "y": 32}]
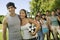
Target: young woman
[
  {"x": 40, "y": 34},
  {"x": 25, "y": 24},
  {"x": 54, "y": 24},
  {"x": 45, "y": 26}
]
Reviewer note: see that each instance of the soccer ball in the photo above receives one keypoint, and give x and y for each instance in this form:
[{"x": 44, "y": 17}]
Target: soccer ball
[{"x": 32, "y": 28}]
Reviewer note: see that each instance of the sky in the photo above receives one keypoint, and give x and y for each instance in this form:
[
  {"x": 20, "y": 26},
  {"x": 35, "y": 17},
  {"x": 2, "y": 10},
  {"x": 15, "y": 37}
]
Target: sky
[{"x": 20, "y": 4}]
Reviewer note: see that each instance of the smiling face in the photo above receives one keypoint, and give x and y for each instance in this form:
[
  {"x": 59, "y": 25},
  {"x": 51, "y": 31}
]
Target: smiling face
[
  {"x": 53, "y": 13},
  {"x": 11, "y": 9},
  {"x": 23, "y": 14},
  {"x": 43, "y": 16},
  {"x": 37, "y": 17},
  {"x": 47, "y": 13}
]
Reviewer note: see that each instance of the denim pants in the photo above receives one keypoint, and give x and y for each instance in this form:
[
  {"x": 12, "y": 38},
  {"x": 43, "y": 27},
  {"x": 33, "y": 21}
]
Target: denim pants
[{"x": 40, "y": 36}]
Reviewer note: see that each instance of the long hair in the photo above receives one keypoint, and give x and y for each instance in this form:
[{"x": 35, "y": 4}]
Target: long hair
[{"x": 25, "y": 14}]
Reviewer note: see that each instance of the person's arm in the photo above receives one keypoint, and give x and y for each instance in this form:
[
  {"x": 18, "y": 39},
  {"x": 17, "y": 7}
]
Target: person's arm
[
  {"x": 49, "y": 23},
  {"x": 58, "y": 19},
  {"x": 4, "y": 25},
  {"x": 36, "y": 24}
]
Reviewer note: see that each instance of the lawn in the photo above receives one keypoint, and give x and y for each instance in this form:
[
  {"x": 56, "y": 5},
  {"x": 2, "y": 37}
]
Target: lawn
[
  {"x": 0, "y": 32},
  {"x": 0, "y": 35}
]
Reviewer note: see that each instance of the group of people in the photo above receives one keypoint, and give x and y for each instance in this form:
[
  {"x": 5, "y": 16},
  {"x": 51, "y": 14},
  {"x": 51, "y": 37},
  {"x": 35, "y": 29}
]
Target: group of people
[
  {"x": 49, "y": 23},
  {"x": 19, "y": 25}
]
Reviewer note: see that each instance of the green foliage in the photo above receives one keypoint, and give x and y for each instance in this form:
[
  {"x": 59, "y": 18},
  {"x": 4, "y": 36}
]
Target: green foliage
[
  {"x": 1, "y": 18},
  {"x": 56, "y": 4},
  {"x": 35, "y": 6},
  {"x": 43, "y": 5}
]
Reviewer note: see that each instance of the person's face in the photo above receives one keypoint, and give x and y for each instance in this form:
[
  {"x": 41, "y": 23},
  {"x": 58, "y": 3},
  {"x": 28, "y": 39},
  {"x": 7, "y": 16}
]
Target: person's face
[
  {"x": 53, "y": 13},
  {"x": 37, "y": 17},
  {"x": 11, "y": 9},
  {"x": 47, "y": 13},
  {"x": 43, "y": 16},
  {"x": 38, "y": 14},
  {"x": 22, "y": 14},
  {"x": 58, "y": 10}
]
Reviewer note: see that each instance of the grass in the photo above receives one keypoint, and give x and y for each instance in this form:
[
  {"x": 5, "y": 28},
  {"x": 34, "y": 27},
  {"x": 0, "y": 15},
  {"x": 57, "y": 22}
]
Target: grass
[
  {"x": 1, "y": 32},
  {"x": 0, "y": 26},
  {"x": 0, "y": 35}
]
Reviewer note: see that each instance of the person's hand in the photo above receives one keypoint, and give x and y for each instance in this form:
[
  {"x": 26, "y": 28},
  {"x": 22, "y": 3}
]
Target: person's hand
[{"x": 33, "y": 34}]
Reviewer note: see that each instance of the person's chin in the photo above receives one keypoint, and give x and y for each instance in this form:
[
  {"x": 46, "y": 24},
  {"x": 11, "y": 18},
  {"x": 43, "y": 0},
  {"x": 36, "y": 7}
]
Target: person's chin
[{"x": 22, "y": 18}]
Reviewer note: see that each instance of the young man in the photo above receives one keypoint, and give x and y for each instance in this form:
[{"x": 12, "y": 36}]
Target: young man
[{"x": 12, "y": 22}]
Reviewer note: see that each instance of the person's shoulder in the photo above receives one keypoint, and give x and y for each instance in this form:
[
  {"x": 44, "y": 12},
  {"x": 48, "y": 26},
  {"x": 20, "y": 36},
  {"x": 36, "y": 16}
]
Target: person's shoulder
[{"x": 4, "y": 19}]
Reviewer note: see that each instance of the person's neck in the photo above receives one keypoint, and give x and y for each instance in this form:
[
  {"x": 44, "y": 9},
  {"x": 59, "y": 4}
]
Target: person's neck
[
  {"x": 12, "y": 14},
  {"x": 23, "y": 19}
]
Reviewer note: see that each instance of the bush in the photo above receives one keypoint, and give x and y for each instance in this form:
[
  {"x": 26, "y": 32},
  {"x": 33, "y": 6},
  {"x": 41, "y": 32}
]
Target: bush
[{"x": 0, "y": 22}]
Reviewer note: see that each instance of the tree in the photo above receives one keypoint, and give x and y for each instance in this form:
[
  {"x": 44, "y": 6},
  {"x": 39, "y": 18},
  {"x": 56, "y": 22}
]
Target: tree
[
  {"x": 1, "y": 18},
  {"x": 56, "y": 4},
  {"x": 35, "y": 6},
  {"x": 41, "y": 5}
]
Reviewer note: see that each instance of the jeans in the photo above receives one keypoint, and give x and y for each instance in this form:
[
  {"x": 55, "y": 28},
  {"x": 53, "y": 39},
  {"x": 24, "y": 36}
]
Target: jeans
[{"x": 40, "y": 36}]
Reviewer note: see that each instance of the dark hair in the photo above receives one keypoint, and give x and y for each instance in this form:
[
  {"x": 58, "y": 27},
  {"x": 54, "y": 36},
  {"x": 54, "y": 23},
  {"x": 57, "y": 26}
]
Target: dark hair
[
  {"x": 10, "y": 4},
  {"x": 58, "y": 9},
  {"x": 37, "y": 16},
  {"x": 25, "y": 14},
  {"x": 53, "y": 11},
  {"x": 39, "y": 13},
  {"x": 24, "y": 11},
  {"x": 43, "y": 14},
  {"x": 47, "y": 11}
]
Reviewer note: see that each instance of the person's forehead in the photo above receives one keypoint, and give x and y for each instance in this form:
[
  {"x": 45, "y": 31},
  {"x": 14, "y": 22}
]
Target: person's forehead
[
  {"x": 10, "y": 6},
  {"x": 22, "y": 11},
  {"x": 47, "y": 12}
]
